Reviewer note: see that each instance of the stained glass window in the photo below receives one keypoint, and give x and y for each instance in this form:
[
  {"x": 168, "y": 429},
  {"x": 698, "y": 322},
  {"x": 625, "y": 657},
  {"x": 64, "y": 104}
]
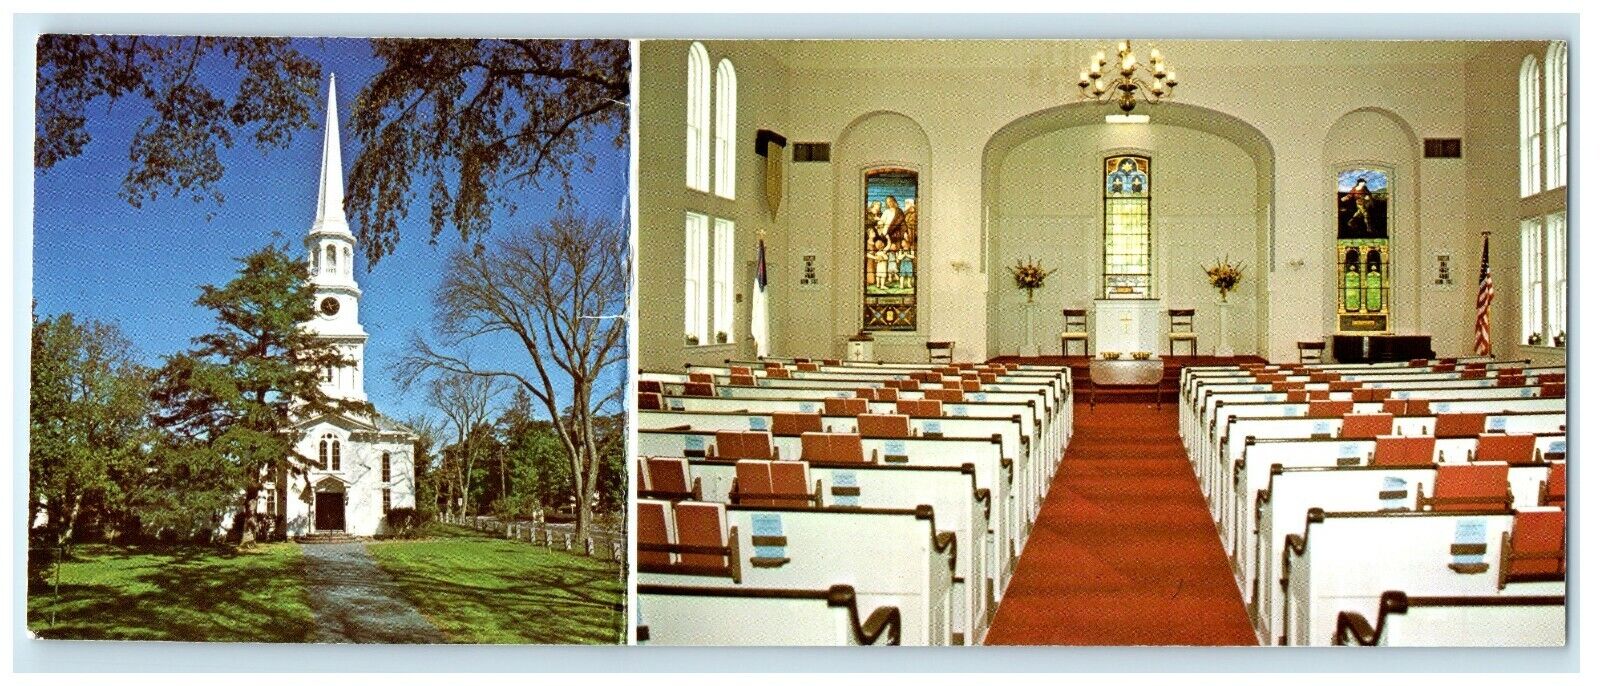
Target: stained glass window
[
  {"x": 1361, "y": 198},
  {"x": 1126, "y": 266},
  {"x": 889, "y": 264}
]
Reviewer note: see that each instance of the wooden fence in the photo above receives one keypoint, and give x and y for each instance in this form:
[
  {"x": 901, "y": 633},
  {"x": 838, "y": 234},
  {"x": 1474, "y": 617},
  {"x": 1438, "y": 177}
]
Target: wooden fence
[{"x": 611, "y": 546}]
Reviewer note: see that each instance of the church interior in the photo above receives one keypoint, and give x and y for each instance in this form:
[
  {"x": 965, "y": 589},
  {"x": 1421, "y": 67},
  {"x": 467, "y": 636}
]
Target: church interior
[{"x": 1099, "y": 342}]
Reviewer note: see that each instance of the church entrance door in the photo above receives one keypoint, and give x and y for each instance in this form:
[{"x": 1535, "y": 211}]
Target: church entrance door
[{"x": 330, "y": 511}]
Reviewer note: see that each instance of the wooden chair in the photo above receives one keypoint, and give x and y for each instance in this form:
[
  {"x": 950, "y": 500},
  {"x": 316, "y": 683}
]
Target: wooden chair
[
  {"x": 1311, "y": 351},
  {"x": 941, "y": 351},
  {"x": 1182, "y": 329},
  {"x": 1074, "y": 329}
]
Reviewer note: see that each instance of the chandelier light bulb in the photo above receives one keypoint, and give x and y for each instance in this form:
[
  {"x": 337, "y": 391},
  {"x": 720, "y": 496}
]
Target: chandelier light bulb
[{"x": 1083, "y": 79}]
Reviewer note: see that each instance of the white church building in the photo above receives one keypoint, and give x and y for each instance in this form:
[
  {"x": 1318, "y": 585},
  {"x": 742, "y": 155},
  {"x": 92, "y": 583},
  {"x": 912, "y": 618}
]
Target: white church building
[{"x": 350, "y": 469}]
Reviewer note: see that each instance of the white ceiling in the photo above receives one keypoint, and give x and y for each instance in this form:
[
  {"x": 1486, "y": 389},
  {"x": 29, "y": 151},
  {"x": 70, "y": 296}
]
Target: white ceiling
[{"x": 992, "y": 54}]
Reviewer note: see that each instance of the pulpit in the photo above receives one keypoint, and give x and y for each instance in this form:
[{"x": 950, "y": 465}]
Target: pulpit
[{"x": 1127, "y": 326}]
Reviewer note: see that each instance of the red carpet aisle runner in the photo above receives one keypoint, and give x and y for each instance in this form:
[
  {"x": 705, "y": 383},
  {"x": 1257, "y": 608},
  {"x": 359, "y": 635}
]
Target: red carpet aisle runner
[{"x": 1124, "y": 552}]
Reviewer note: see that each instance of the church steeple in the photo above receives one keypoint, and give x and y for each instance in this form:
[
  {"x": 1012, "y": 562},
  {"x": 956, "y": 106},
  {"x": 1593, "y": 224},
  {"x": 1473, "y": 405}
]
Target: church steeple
[
  {"x": 330, "y": 186},
  {"x": 330, "y": 255}
]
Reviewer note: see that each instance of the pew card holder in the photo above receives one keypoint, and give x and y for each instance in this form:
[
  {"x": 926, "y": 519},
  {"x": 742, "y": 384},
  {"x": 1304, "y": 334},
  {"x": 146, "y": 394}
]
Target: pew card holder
[
  {"x": 1471, "y": 545},
  {"x": 845, "y": 489},
  {"x": 767, "y": 541},
  {"x": 894, "y": 452}
]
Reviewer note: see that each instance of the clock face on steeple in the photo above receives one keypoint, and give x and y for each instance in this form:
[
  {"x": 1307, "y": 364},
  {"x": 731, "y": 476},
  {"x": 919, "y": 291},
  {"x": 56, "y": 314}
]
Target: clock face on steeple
[{"x": 329, "y": 306}]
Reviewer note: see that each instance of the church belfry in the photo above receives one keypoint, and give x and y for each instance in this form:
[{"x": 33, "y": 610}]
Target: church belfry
[{"x": 330, "y": 254}]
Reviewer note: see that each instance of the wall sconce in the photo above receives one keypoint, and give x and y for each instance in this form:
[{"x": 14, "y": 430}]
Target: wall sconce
[
  {"x": 960, "y": 265},
  {"x": 1297, "y": 263}
]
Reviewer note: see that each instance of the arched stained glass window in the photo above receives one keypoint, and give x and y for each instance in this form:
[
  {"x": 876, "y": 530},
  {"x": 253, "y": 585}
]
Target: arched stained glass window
[
  {"x": 335, "y": 464},
  {"x": 1126, "y": 263}
]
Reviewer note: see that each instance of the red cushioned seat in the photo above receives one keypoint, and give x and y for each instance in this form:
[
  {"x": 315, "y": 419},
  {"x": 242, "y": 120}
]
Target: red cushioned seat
[
  {"x": 698, "y": 390},
  {"x": 919, "y": 408},
  {"x": 1552, "y": 377},
  {"x": 1316, "y": 395},
  {"x": 1417, "y": 363},
  {"x": 866, "y": 393},
  {"x": 701, "y": 377},
  {"x": 667, "y": 478},
  {"x": 831, "y": 363},
  {"x": 1284, "y": 386},
  {"x": 1328, "y": 409},
  {"x": 791, "y": 483},
  {"x": 753, "y": 482},
  {"x": 1369, "y": 395},
  {"x": 702, "y": 524},
  {"x": 970, "y": 385},
  {"x": 742, "y": 445},
  {"x": 1366, "y": 425},
  {"x": 649, "y": 386},
  {"x": 1394, "y": 406},
  {"x": 886, "y": 394},
  {"x": 1552, "y": 390},
  {"x": 949, "y": 395},
  {"x": 988, "y": 377},
  {"x": 741, "y": 380},
  {"x": 1295, "y": 396},
  {"x": 1403, "y": 451},
  {"x": 884, "y": 426},
  {"x": 1505, "y": 381},
  {"x": 795, "y": 423},
  {"x": 831, "y": 448},
  {"x": 1535, "y": 549},
  {"x": 1510, "y": 448},
  {"x": 655, "y": 527},
  {"x": 1470, "y": 487},
  {"x": 1459, "y": 424},
  {"x": 777, "y": 373},
  {"x": 1445, "y": 367},
  {"x": 737, "y": 369},
  {"x": 807, "y": 367},
  {"x": 1474, "y": 374},
  {"x": 905, "y": 384},
  {"x": 835, "y": 407},
  {"x": 1343, "y": 385},
  {"x": 1553, "y": 491},
  {"x": 651, "y": 401}
]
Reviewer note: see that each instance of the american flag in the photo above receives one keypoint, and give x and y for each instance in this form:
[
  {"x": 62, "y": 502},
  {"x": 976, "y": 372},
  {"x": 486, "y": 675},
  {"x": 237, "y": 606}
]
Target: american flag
[{"x": 1485, "y": 299}]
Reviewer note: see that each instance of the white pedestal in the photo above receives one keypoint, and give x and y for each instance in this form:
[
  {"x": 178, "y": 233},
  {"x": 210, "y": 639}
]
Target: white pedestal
[
  {"x": 858, "y": 351},
  {"x": 1224, "y": 348},
  {"x": 1029, "y": 347},
  {"x": 1127, "y": 326}
]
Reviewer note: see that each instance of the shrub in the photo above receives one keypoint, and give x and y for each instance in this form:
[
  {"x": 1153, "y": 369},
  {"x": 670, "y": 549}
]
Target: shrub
[{"x": 404, "y": 522}]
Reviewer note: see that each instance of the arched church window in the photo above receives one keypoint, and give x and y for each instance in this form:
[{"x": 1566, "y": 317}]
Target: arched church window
[
  {"x": 1530, "y": 125},
  {"x": 698, "y": 126},
  {"x": 384, "y": 476},
  {"x": 1126, "y": 249},
  {"x": 322, "y": 453},
  {"x": 1555, "y": 112},
  {"x": 334, "y": 465},
  {"x": 1361, "y": 198},
  {"x": 889, "y": 250},
  {"x": 332, "y": 264},
  {"x": 348, "y": 263},
  {"x": 726, "y": 127}
]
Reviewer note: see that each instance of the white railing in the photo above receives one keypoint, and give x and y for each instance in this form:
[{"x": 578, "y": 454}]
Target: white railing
[{"x": 603, "y": 545}]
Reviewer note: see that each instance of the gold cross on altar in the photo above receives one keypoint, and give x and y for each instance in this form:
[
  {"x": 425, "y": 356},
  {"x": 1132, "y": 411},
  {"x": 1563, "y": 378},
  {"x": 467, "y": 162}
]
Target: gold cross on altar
[{"x": 1126, "y": 320}]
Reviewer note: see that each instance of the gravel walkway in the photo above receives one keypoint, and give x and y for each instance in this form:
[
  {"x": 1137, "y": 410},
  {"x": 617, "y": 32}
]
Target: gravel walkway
[{"x": 354, "y": 601}]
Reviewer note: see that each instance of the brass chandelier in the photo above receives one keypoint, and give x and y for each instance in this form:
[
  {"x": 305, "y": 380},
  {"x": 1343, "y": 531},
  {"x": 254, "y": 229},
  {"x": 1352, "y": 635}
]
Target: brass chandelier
[{"x": 1124, "y": 83}]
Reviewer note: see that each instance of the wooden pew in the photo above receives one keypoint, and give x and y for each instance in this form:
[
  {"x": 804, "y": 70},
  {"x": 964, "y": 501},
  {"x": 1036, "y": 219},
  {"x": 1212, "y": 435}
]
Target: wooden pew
[{"x": 721, "y": 616}]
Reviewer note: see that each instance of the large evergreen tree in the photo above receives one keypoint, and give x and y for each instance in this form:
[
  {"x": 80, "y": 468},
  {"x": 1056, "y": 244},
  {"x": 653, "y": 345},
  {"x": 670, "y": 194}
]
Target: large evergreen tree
[{"x": 241, "y": 391}]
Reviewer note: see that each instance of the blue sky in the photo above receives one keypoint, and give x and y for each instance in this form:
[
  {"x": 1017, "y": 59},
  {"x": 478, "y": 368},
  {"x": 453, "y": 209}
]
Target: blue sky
[{"x": 97, "y": 256}]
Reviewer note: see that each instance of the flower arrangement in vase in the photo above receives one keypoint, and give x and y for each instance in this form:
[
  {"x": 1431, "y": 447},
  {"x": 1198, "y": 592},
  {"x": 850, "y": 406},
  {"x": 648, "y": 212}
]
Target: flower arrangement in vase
[
  {"x": 1029, "y": 275},
  {"x": 1225, "y": 276}
]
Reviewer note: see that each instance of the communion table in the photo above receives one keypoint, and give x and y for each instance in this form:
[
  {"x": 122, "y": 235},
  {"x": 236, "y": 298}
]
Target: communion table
[{"x": 1127, "y": 326}]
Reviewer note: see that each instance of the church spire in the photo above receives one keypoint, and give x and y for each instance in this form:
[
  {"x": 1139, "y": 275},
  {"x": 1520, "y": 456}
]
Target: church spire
[{"x": 330, "y": 187}]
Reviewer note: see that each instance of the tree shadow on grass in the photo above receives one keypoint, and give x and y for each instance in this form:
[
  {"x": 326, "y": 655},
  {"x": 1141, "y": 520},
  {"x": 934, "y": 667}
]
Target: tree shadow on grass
[
  {"x": 172, "y": 593},
  {"x": 484, "y": 590}
]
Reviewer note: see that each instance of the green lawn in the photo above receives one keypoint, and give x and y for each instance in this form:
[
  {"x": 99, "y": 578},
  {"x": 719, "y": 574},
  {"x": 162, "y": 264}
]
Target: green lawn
[
  {"x": 173, "y": 593},
  {"x": 483, "y": 589}
]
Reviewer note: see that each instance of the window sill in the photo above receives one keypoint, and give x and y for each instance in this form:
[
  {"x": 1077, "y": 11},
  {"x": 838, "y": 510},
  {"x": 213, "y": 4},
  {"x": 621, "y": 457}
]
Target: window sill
[
  {"x": 709, "y": 347},
  {"x": 1542, "y": 349}
]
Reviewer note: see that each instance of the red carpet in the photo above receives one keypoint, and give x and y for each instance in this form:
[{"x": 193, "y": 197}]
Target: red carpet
[{"x": 1124, "y": 552}]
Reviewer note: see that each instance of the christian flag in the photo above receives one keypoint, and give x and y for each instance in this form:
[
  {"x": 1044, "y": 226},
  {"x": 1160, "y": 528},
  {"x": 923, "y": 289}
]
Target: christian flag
[
  {"x": 1485, "y": 299},
  {"x": 758, "y": 300}
]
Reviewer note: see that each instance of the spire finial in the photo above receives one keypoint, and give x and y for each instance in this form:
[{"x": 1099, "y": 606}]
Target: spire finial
[{"x": 330, "y": 185}]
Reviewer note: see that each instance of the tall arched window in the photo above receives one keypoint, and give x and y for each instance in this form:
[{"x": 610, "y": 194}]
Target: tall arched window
[
  {"x": 726, "y": 127},
  {"x": 334, "y": 465},
  {"x": 331, "y": 263},
  {"x": 384, "y": 475},
  {"x": 697, "y": 153},
  {"x": 1126, "y": 265},
  {"x": 322, "y": 453},
  {"x": 1555, "y": 113},
  {"x": 1529, "y": 124}
]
